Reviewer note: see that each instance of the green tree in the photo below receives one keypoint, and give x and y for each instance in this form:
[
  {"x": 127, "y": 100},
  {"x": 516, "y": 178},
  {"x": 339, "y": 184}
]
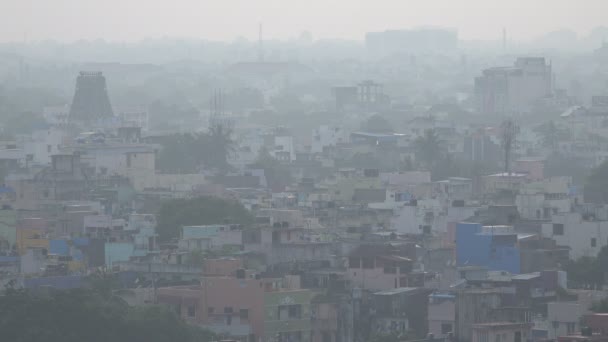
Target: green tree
[
  {"x": 429, "y": 149},
  {"x": 588, "y": 272},
  {"x": 377, "y": 124},
  {"x": 600, "y": 307},
  {"x": 176, "y": 213},
  {"x": 85, "y": 315},
  {"x": 596, "y": 186},
  {"x": 277, "y": 175},
  {"x": 180, "y": 153},
  {"x": 219, "y": 146}
]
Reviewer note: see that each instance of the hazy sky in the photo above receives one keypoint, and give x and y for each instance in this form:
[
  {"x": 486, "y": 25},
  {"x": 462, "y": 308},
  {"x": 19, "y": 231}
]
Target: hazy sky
[{"x": 128, "y": 20}]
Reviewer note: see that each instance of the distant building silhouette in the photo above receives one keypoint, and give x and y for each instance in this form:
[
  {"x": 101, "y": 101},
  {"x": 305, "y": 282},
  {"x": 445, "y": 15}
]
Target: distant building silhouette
[
  {"x": 515, "y": 89},
  {"x": 91, "y": 102}
]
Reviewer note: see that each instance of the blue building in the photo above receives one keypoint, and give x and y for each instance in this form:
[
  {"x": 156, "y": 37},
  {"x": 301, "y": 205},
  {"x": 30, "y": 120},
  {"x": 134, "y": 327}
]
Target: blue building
[{"x": 494, "y": 247}]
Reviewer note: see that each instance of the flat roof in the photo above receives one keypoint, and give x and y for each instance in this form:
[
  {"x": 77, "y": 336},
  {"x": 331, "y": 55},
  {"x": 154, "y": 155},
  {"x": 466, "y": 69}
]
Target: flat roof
[
  {"x": 526, "y": 276},
  {"x": 395, "y": 291}
]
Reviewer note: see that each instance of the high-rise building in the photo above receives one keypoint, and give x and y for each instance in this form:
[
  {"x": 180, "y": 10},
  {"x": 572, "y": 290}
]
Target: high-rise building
[
  {"x": 91, "y": 102},
  {"x": 511, "y": 90}
]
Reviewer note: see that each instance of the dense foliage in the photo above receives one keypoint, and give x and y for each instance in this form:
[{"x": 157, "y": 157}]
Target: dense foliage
[
  {"x": 176, "y": 213},
  {"x": 277, "y": 175},
  {"x": 86, "y": 315},
  {"x": 189, "y": 153},
  {"x": 21, "y": 108},
  {"x": 600, "y": 307},
  {"x": 429, "y": 149},
  {"x": 377, "y": 124},
  {"x": 588, "y": 272},
  {"x": 596, "y": 187}
]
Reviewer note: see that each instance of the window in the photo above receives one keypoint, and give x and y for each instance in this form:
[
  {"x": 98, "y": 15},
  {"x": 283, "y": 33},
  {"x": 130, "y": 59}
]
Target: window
[
  {"x": 571, "y": 327},
  {"x": 558, "y": 229},
  {"x": 390, "y": 269},
  {"x": 446, "y": 328},
  {"x": 244, "y": 314},
  {"x": 228, "y": 310},
  {"x": 426, "y": 229},
  {"x": 295, "y": 311},
  {"x": 210, "y": 310},
  {"x": 191, "y": 311},
  {"x": 49, "y": 148},
  {"x": 593, "y": 242}
]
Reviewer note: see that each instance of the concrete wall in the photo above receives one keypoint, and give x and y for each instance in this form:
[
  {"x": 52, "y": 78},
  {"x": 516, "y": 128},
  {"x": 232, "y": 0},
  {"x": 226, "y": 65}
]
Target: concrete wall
[
  {"x": 578, "y": 234},
  {"x": 441, "y": 312},
  {"x": 564, "y": 318}
]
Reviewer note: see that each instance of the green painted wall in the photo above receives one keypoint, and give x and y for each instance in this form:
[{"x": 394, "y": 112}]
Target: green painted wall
[
  {"x": 272, "y": 301},
  {"x": 8, "y": 226}
]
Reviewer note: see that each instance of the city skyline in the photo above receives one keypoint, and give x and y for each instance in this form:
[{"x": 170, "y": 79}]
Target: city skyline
[{"x": 113, "y": 20}]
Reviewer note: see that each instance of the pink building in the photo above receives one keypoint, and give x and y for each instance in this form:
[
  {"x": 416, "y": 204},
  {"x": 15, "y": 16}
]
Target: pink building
[
  {"x": 533, "y": 167},
  {"x": 235, "y": 303}
]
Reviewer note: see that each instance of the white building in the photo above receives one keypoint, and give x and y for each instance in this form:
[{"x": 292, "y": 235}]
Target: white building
[
  {"x": 545, "y": 198},
  {"x": 327, "y": 136},
  {"x": 564, "y": 318},
  {"x": 428, "y": 217},
  {"x": 136, "y": 116},
  {"x": 56, "y": 115},
  {"x": 134, "y": 161},
  {"x": 284, "y": 149},
  {"x": 42, "y": 144},
  {"x": 507, "y": 90},
  {"x": 585, "y": 234}
]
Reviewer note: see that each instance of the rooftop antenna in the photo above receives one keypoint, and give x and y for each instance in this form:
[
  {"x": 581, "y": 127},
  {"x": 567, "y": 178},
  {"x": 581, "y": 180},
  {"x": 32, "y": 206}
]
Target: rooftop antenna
[{"x": 260, "y": 45}]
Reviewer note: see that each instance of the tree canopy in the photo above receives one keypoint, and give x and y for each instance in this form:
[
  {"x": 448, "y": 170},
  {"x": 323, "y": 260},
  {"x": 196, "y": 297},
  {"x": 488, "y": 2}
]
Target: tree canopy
[
  {"x": 596, "y": 186},
  {"x": 85, "y": 315},
  {"x": 176, "y": 213},
  {"x": 277, "y": 175},
  {"x": 429, "y": 148},
  {"x": 600, "y": 307},
  {"x": 377, "y": 124},
  {"x": 588, "y": 272},
  {"x": 188, "y": 153}
]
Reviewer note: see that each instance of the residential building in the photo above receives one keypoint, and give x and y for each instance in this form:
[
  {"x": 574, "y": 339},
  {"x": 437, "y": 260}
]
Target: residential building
[
  {"x": 501, "y": 331},
  {"x": 508, "y": 90},
  {"x": 585, "y": 233}
]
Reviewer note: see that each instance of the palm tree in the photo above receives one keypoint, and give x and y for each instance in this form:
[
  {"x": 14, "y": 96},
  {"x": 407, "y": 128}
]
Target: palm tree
[{"x": 429, "y": 148}]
